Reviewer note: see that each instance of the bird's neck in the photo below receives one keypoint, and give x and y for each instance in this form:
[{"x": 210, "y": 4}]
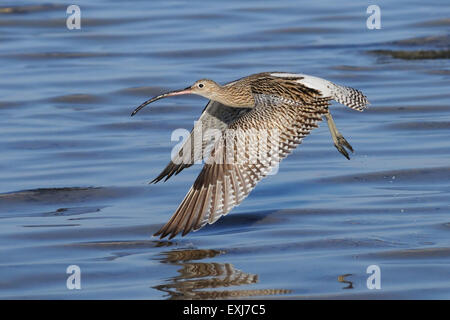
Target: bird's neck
[{"x": 235, "y": 96}]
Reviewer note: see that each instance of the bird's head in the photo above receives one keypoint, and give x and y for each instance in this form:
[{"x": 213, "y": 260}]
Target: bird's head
[{"x": 205, "y": 87}]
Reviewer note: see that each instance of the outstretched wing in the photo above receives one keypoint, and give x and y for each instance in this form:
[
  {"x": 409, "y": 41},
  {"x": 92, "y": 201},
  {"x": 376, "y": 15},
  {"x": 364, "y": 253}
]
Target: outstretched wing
[
  {"x": 214, "y": 116},
  {"x": 254, "y": 145}
]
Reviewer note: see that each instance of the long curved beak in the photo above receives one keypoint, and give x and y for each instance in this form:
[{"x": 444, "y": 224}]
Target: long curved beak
[{"x": 187, "y": 90}]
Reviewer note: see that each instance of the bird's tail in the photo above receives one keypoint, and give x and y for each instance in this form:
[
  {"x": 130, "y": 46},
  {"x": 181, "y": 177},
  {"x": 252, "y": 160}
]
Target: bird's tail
[{"x": 350, "y": 97}]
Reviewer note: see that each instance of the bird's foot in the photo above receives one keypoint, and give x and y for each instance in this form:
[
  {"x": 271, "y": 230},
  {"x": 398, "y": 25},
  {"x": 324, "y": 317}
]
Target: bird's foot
[{"x": 341, "y": 144}]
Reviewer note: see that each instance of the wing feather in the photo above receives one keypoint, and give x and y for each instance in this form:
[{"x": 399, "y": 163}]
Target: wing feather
[
  {"x": 214, "y": 116},
  {"x": 227, "y": 184}
]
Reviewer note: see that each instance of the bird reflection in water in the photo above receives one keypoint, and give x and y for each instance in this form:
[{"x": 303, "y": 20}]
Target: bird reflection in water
[
  {"x": 196, "y": 279},
  {"x": 342, "y": 279}
]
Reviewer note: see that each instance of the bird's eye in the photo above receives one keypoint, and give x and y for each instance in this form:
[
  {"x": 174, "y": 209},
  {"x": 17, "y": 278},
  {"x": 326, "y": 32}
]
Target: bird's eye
[{"x": 201, "y": 85}]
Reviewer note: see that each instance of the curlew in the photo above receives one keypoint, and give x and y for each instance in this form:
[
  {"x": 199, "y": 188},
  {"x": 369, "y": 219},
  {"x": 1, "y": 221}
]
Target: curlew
[{"x": 285, "y": 106}]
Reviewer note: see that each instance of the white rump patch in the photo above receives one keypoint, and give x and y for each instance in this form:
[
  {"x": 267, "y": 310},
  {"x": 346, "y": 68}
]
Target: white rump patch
[
  {"x": 324, "y": 86},
  {"x": 347, "y": 96},
  {"x": 286, "y": 75}
]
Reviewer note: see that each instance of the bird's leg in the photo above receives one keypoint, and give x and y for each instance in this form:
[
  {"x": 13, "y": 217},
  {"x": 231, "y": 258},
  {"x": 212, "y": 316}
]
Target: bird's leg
[{"x": 339, "y": 141}]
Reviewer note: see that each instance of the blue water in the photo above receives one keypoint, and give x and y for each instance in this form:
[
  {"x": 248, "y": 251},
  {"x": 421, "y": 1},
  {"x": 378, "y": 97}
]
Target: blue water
[{"x": 75, "y": 166}]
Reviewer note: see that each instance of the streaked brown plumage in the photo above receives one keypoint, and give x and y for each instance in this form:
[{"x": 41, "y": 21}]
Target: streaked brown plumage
[{"x": 290, "y": 105}]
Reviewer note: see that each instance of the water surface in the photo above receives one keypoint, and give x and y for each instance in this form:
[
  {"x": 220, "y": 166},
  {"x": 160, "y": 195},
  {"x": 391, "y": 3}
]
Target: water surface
[{"x": 75, "y": 166}]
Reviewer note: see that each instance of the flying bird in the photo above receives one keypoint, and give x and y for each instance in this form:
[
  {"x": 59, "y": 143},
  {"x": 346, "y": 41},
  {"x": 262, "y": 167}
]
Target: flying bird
[{"x": 268, "y": 115}]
